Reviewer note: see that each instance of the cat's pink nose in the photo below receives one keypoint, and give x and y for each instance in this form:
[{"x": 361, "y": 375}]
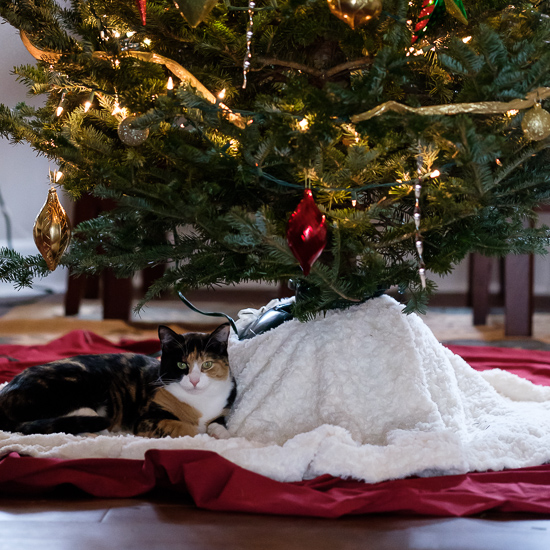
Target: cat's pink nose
[{"x": 194, "y": 381}]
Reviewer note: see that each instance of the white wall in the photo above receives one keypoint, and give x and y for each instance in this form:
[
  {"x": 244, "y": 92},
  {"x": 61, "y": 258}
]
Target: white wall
[{"x": 24, "y": 180}]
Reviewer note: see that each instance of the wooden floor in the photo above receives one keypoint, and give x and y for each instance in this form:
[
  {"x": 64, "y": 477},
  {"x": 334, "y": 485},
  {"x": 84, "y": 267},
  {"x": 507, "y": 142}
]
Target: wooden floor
[
  {"x": 160, "y": 523},
  {"x": 70, "y": 521}
]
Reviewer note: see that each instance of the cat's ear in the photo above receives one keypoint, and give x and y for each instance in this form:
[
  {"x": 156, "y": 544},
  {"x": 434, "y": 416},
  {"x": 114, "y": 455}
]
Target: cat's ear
[
  {"x": 221, "y": 334},
  {"x": 167, "y": 336}
]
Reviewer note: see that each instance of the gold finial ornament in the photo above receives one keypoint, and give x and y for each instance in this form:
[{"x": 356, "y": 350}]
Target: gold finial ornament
[{"x": 52, "y": 230}]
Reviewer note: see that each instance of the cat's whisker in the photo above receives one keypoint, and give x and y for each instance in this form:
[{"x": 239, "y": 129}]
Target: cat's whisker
[{"x": 167, "y": 381}]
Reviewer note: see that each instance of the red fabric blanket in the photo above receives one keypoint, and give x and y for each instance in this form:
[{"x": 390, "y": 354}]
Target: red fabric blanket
[{"x": 216, "y": 484}]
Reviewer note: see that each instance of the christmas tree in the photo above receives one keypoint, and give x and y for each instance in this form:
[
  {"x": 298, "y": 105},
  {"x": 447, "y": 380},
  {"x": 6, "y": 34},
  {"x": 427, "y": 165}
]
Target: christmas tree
[{"x": 347, "y": 146}]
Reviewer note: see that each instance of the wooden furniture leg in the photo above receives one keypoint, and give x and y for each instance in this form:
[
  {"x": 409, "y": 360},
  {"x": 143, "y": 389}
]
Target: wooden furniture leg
[
  {"x": 84, "y": 209},
  {"x": 480, "y": 277},
  {"x": 117, "y": 297},
  {"x": 518, "y": 294},
  {"x": 116, "y": 293}
]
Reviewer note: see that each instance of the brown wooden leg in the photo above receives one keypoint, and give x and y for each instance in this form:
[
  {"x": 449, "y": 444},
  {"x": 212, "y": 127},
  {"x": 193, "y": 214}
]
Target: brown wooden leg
[
  {"x": 518, "y": 294},
  {"x": 73, "y": 294},
  {"x": 149, "y": 275},
  {"x": 117, "y": 297},
  {"x": 84, "y": 209},
  {"x": 480, "y": 277},
  {"x": 79, "y": 287},
  {"x": 91, "y": 289}
]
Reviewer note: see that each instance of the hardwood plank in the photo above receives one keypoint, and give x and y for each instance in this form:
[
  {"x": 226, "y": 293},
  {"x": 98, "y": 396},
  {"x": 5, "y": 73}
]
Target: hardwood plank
[{"x": 166, "y": 524}]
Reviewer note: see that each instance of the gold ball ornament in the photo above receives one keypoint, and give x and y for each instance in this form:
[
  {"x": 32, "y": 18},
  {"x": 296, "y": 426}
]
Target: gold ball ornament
[
  {"x": 536, "y": 123},
  {"x": 52, "y": 230},
  {"x": 355, "y": 12},
  {"x": 131, "y": 136}
]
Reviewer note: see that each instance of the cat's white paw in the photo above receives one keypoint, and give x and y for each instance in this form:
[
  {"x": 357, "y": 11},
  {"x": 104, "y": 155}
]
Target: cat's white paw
[{"x": 218, "y": 431}]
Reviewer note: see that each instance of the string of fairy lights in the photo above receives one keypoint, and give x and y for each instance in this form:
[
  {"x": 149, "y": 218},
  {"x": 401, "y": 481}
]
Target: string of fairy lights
[
  {"x": 128, "y": 44},
  {"x": 302, "y": 126},
  {"x": 418, "y": 243}
]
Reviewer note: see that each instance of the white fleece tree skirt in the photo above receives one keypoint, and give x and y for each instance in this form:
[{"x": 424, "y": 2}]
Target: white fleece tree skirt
[{"x": 366, "y": 393}]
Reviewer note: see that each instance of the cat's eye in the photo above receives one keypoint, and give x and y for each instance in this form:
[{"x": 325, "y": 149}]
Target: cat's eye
[
  {"x": 182, "y": 365},
  {"x": 207, "y": 365}
]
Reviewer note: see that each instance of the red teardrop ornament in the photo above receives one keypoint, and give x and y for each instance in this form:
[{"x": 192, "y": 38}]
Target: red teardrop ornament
[
  {"x": 307, "y": 232},
  {"x": 142, "y": 7}
]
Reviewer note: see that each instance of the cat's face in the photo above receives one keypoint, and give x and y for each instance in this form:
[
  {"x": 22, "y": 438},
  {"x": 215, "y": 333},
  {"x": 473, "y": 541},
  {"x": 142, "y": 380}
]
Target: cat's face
[{"x": 195, "y": 361}]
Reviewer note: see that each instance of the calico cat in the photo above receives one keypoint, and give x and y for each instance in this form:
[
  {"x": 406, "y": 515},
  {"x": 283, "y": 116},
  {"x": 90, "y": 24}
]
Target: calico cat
[{"x": 181, "y": 395}]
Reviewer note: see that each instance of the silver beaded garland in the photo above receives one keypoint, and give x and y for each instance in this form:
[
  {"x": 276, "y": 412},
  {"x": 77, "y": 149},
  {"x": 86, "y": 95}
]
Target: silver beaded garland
[
  {"x": 249, "y": 33},
  {"x": 418, "y": 237}
]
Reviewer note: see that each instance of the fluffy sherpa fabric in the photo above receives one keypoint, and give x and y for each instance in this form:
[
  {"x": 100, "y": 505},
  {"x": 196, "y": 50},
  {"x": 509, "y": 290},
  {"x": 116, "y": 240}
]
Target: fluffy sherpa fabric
[{"x": 366, "y": 393}]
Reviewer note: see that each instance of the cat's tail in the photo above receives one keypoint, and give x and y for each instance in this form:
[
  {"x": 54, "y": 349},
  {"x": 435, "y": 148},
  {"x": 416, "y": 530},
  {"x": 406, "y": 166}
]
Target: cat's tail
[{"x": 64, "y": 424}]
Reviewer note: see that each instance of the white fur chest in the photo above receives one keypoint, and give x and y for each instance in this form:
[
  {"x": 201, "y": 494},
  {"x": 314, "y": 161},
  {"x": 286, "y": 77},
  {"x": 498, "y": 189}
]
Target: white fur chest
[{"x": 209, "y": 402}]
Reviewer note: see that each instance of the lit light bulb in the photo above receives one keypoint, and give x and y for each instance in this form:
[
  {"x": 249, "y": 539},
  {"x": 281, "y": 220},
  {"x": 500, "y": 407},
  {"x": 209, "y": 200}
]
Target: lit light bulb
[
  {"x": 466, "y": 39},
  {"x": 147, "y": 41},
  {"x": 61, "y": 105},
  {"x": 116, "y": 110},
  {"x": 88, "y": 102},
  {"x": 303, "y": 124},
  {"x": 58, "y": 176},
  {"x": 498, "y": 161},
  {"x": 169, "y": 87},
  {"x": 435, "y": 174},
  {"x": 221, "y": 95},
  {"x": 512, "y": 112}
]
